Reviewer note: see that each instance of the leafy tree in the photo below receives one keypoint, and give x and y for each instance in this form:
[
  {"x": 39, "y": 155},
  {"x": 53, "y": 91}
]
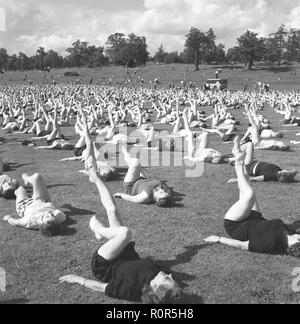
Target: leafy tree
[
  {"x": 220, "y": 55},
  {"x": 160, "y": 55},
  {"x": 23, "y": 62},
  {"x": 293, "y": 46},
  {"x": 171, "y": 58},
  {"x": 233, "y": 55},
  {"x": 277, "y": 45},
  {"x": 41, "y": 54},
  {"x": 96, "y": 56},
  {"x": 3, "y": 58},
  {"x": 53, "y": 59},
  {"x": 209, "y": 49},
  {"x": 196, "y": 42},
  {"x": 12, "y": 62},
  {"x": 251, "y": 48},
  {"x": 115, "y": 43}
]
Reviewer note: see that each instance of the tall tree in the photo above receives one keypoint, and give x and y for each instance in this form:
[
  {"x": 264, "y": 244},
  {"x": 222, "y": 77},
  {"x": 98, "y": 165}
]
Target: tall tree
[
  {"x": 233, "y": 55},
  {"x": 53, "y": 59},
  {"x": 278, "y": 45},
  {"x": 251, "y": 48},
  {"x": 115, "y": 43},
  {"x": 3, "y": 58},
  {"x": 41, "y": 54},
  {"x": 78, "y": 54},
  {"x": 196, "y": 40},
  {"x": 293, "y": 46},
  {"x": 160, "y": 54}
]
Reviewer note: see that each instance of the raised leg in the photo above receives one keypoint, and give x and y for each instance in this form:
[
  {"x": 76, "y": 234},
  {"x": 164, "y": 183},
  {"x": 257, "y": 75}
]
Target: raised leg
[
  {"x": 21, "y": 194},
  {"x": 40, "y": 190},
  {"x": 134, "y": 167},
  {"x": 247, "y": 199}
]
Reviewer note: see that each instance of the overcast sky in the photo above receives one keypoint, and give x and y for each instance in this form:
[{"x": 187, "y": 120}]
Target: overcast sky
[{"x": 56, "y": 24}]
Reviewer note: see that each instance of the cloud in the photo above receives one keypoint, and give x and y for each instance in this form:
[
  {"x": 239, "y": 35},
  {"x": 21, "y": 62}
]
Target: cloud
[
  {"x": 171, "y": 20},
  {"x": 56, "y": 24}
]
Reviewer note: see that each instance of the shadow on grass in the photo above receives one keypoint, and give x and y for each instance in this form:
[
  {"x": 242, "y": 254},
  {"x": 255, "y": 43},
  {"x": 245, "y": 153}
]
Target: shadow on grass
[
  {"x": 177, "y": 198},
  {"x": 74, "y": 211},
  {"x": 60, "y": 185},
  {"x": 183, "y": 258},
  {"x": 19, "y": 301},
  {"x": 13, "y": 166}
]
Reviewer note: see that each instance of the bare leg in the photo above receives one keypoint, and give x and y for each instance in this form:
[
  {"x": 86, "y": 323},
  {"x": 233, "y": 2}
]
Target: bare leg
[
  {"x": 118, "y": 235},
  {"x": 204, "y": 141},
  {"x": 247, "y": 200},
  {"x": 21, "y": 195},
  {"x": 231, "y": 130},
  {"x": 40, "y": 190},
  {"x": 134, "y": 167},
  {"x": 248, "y": 148},
  {"x": 81, "y": 142}
]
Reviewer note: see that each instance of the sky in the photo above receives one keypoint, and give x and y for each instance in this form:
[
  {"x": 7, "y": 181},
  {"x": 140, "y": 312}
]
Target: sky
[{"x": 26, "y": 25}]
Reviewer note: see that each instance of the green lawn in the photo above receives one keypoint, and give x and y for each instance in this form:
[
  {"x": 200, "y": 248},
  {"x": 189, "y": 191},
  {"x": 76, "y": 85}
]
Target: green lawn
[{"x": 174, "y": 236}]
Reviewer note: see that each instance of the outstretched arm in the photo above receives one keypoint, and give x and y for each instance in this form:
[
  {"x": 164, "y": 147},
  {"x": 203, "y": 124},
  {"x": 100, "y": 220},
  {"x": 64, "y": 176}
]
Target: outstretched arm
[
  {"x": 89, "y": 284},
  {"x": 15, "y": 222},
  {"x": 228, "y": 242}
]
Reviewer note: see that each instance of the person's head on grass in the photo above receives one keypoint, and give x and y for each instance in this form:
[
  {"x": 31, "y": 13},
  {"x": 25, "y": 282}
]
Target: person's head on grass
[
  {"x": 162, "y": 195},
  {"x": 293, "y": 245},
  {"x": 8, "y": 188},
  {"x": 107, "y": 173},
  {"x": 51, "y": 227},
  {"x": 163, "y": 289}
]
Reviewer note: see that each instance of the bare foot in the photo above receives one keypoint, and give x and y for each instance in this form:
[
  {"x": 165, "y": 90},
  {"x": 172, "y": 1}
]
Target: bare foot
[{"x": 25, "y": 178}]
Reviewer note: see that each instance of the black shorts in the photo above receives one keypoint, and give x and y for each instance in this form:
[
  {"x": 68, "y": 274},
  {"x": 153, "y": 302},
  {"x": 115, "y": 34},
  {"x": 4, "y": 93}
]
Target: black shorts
[
  {"x": 296, "y": 121},
  {"x": 229, "y": 138},
  {"x": 128, "y": 186},
  {"x": 43, "y": 133},
  {"x": 239, "y": 230},
  {"x": 78, "y": 151},
  {"x": 103, "y": 269}
]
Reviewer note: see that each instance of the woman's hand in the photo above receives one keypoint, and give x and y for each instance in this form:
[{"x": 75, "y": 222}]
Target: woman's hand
[
  {"x": 232, "y": 181},
  {"x": 6, "y": 218},
  {"x": 212, "y": 239},
  {"x": 72, "y": 279}
]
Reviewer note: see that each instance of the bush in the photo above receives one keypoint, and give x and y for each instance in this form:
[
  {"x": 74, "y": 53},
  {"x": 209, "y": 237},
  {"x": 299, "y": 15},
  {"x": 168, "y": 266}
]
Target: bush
[{"x": 71, "y": 74}]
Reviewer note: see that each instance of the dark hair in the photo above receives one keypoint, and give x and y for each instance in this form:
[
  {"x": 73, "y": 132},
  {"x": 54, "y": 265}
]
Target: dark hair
[
  {"x": 164, "y": 202},
  {"x": 163, "y": 295},
  {"x": 52, "y": 229},
  {"x": 9, "y": 194},
  {"x": 294, "y": 250}
]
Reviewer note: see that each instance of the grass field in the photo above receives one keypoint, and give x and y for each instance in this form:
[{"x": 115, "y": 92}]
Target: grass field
[{"x": 173, "y": 236}]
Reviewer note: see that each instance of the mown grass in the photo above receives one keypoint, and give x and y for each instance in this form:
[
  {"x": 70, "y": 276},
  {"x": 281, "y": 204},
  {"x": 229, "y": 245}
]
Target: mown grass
[{"x": 174, "y": 236}]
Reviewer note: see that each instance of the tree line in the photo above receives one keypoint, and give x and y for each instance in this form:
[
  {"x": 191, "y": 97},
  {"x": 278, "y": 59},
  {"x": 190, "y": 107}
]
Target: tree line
[{"x": 280, "y": 47}]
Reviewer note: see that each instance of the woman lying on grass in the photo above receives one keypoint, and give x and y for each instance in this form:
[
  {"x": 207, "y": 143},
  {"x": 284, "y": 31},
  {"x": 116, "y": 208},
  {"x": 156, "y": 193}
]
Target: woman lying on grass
[
  {"x": 246, "y": 226},
  {"x": 56, "y": 140},
  {"x": 262, "y": 171},
  {"x": 37, "y": 213},
  {"x": 85, "y": 144},
  {"x": 138, "y": 189},
  {"x": 117, "y": 266}
]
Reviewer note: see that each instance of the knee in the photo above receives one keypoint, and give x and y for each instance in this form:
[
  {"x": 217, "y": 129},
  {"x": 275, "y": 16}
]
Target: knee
[
  {"x": 37, "y": 177},
  {"x": 17, "y": 191},
  {"x": 249, "y": 196},
  {"x": 135, "y": 163},
  {"x": 125, "y": 234}
]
